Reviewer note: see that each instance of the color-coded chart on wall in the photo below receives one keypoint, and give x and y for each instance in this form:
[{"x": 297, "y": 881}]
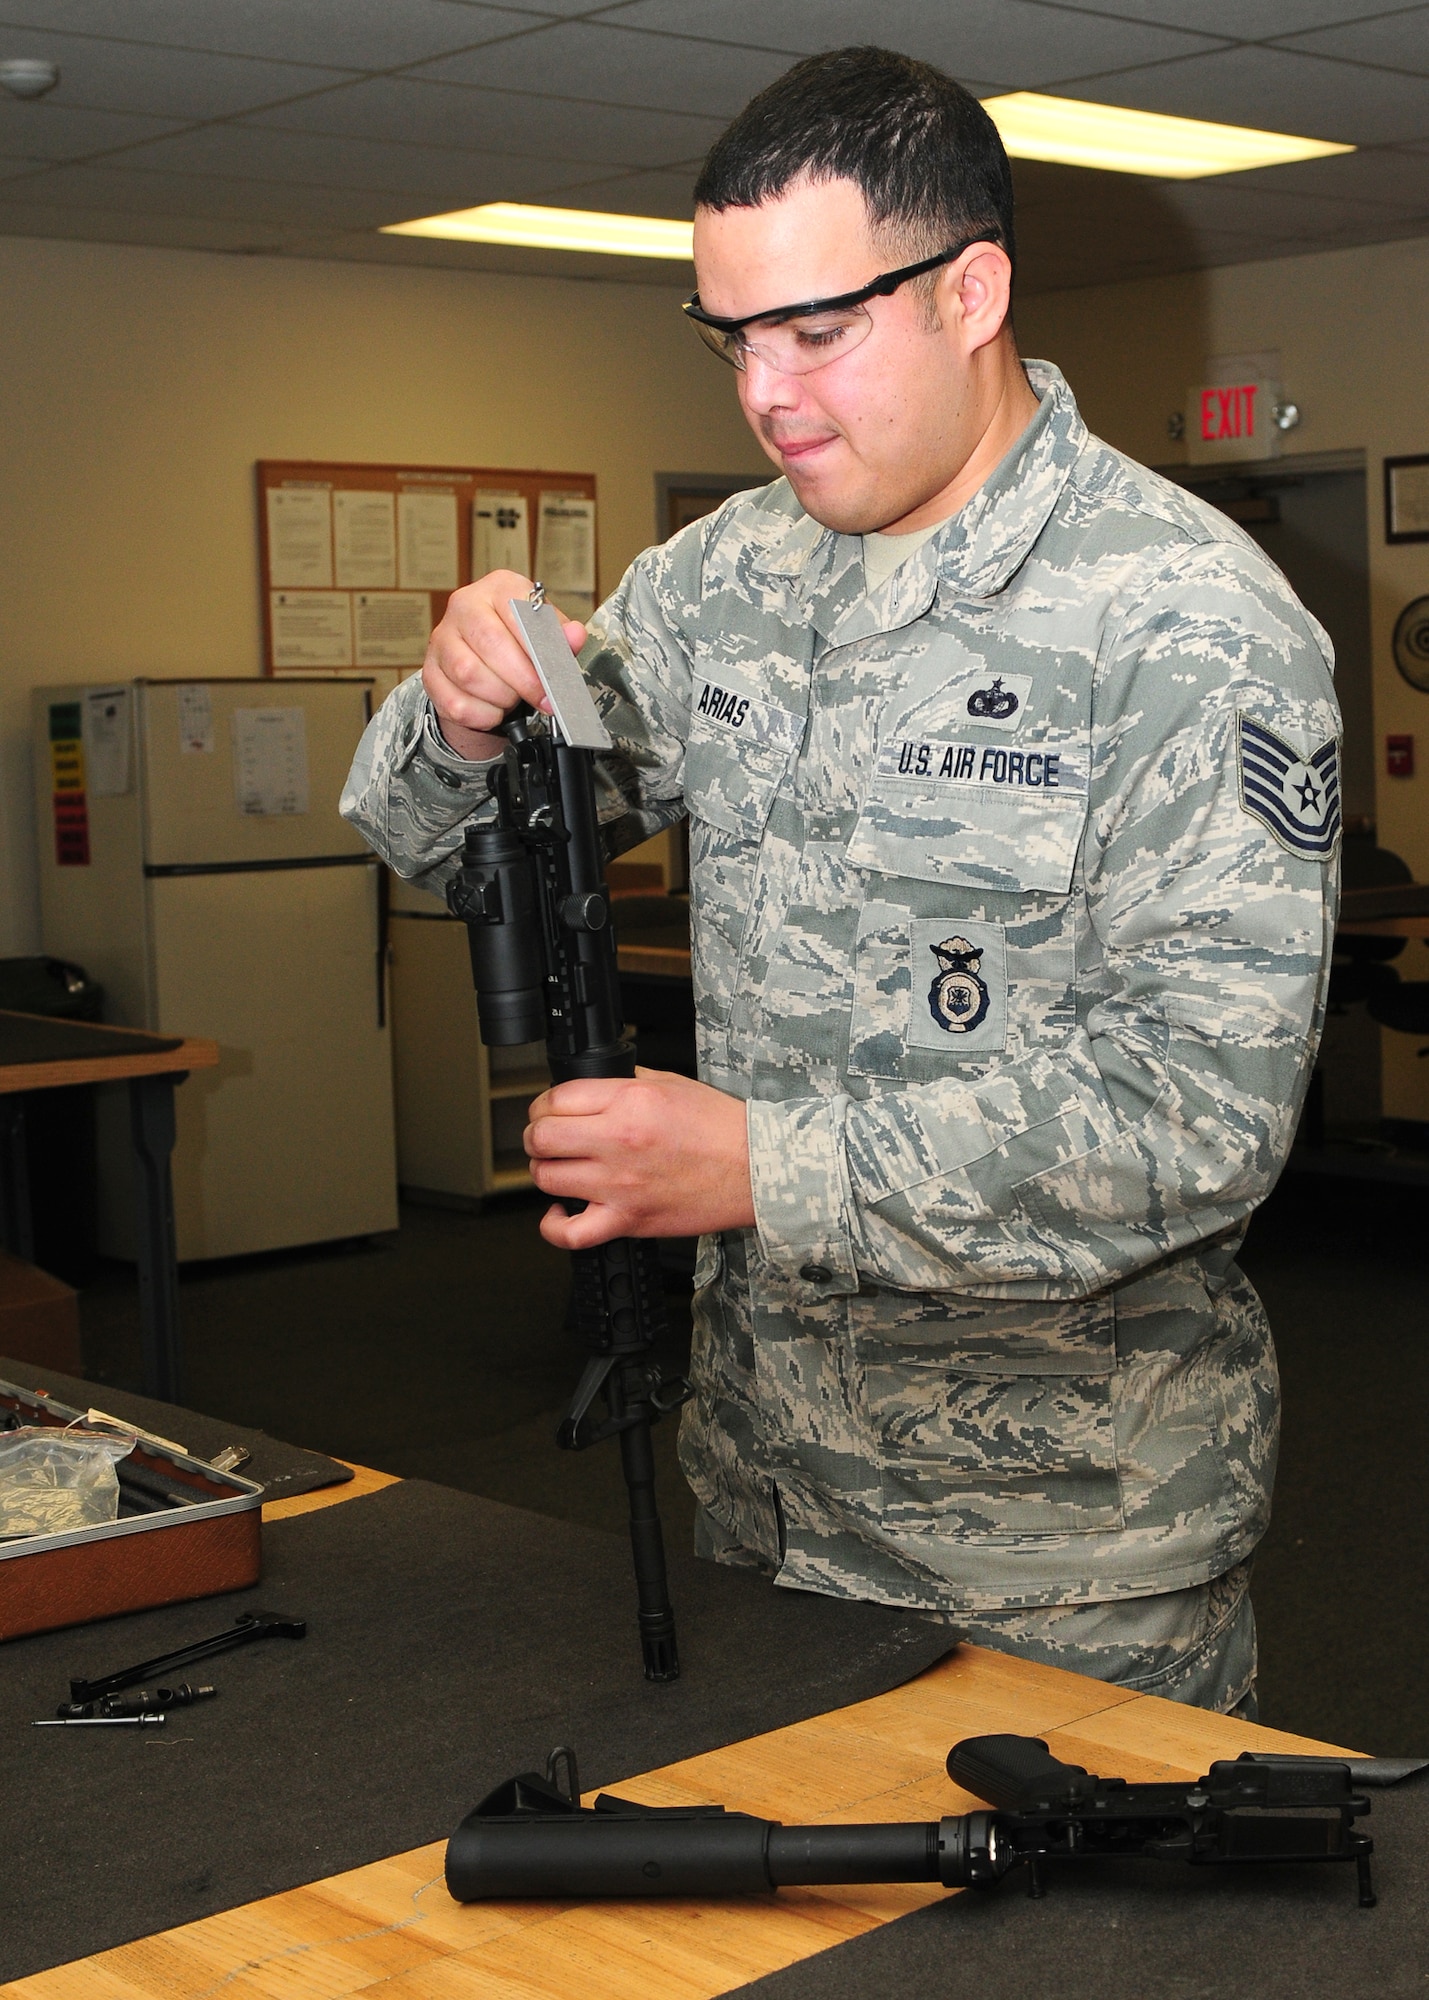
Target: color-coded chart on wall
[{"x": 358, "y": 561}]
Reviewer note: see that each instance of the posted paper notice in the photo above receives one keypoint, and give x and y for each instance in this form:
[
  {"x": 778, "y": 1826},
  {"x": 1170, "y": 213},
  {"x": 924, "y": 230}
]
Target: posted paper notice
[
  {"x": 196, "y": 720},
  {"x": 364, "y": 538},
  {"x": 270, "y": 761},
  {"x": 565, "y": 551},
  {"x": 390, "y": 628},
  {"x": 426, "y": 535},
  {"x": 500, "y": 534},
  {"x": 311, "y": 628},
  {"x": 106, "y": 742},
  {"x": 299, "y": 538}
]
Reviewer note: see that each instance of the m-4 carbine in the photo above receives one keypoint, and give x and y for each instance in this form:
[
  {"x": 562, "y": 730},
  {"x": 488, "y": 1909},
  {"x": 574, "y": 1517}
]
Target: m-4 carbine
[
  {"x": 531, "y": 891},
  {"x": 532, "y": 1837}
]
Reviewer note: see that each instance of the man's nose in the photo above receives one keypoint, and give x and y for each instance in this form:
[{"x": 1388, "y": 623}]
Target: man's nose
[{"x": 766, "y": 388}]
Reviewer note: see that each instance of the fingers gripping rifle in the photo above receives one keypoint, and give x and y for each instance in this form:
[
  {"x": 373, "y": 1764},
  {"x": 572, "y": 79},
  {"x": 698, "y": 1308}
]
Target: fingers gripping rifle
[
  {"x": 532, "y": 1836},
  {"x": 531, "y": 891}
]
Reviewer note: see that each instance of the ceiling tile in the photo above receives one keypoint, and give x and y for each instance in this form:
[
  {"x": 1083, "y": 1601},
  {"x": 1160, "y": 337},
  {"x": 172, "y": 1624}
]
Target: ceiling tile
[
  {"x": 115, "y": 226},
  {"x": 1243, "y": 20},
  {"x": 1396, "y": 177},
  {"x": 1017, "y": 40},
  {"x": 46, "y": 130},
  {"x": 1280, "y": 90},
  {"x": 1398, "y": 41},
  {"x": 614, "y": 66},
  {"x": 1260, "y": 211},
  {"x": 492, "y": 120},
  {"x": 354, "y": 34},
  {"x": 442, "y": 176},
  {"x": 669, "y": 194},
  {"x": 161, "y": 83},
  {"x": 113, "y": 187},
  {"x": 496, "y": 257}
]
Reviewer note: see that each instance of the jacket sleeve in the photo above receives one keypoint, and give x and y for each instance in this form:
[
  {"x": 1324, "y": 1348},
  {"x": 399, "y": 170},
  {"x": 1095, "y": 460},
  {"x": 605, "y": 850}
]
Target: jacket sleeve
[
  {"x": 1167, "y": 1114},
  {"x": 412, "y": 796}
]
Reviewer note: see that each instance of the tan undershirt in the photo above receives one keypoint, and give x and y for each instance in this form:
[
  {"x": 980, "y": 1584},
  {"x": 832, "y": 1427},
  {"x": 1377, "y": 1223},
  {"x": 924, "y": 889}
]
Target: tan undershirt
[{"x": 882, "y": 554}]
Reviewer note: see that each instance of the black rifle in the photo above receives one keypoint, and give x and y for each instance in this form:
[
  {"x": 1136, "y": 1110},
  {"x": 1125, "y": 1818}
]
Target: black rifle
[
  {"x": 532, "y": 1837},
  {"x": 531, "y": 891}
]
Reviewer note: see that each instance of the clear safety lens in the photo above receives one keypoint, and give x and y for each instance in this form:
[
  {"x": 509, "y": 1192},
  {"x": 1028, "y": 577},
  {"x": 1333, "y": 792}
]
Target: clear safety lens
[{"x": 793, "y": 346}]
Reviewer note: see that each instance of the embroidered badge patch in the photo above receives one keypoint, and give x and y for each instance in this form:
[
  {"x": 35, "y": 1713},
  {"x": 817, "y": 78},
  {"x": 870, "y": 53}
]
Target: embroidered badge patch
[
  {"x": 995, "y": 702},
  {"x": 957, "y": 998},
  {"x": 1295, "y": 797}
]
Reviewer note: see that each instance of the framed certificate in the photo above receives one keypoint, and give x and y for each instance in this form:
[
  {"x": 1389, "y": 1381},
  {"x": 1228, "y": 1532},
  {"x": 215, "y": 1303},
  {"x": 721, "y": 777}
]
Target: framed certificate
[{"x": 1406, "y": 499}]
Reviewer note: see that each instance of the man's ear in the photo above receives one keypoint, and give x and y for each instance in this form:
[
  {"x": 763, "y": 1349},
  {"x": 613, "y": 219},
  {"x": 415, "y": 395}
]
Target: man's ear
[{"x": 981, "y": 289}]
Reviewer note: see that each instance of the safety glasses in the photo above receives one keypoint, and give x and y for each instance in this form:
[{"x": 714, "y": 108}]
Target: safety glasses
[{"x": 794, "y": 340}]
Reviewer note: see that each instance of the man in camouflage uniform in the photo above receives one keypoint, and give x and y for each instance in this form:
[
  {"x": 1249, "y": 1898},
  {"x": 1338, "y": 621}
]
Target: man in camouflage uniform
[{"x": 1012, "y": 894}]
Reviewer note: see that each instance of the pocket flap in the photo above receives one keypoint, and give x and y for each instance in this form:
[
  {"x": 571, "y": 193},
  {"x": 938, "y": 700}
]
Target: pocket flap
[
  {"x": 730, "y": 780},
  {"x": 976, "y": 836}
]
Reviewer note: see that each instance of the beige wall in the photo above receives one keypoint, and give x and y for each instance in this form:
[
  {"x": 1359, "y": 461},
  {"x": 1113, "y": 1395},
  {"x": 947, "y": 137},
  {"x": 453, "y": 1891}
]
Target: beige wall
[
  {"x": 137, "y": 387},
  {"x": 1350, "y": 326}
]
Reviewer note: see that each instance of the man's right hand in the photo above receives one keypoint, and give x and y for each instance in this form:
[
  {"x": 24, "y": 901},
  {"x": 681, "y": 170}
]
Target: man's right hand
[{"x": 477, "y": 669}]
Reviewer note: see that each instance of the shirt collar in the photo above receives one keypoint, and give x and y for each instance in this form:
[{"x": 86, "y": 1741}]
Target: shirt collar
[{"x": 973, "y": 553}]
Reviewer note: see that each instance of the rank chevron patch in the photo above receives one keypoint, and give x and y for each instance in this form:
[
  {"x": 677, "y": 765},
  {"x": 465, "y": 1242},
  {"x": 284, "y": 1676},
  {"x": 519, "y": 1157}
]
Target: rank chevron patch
[{"x": 1296, "y": 798}]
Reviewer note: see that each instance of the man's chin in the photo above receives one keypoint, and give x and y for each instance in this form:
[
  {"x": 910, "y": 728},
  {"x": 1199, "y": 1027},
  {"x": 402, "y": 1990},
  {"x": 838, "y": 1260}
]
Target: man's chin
[{"x": 845, "y": 513}]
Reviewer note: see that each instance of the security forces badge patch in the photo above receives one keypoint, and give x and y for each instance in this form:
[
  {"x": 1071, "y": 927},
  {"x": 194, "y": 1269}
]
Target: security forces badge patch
[
  {"x": 957, "y": 998},
  {"x": 958, "y": 1001},
  {"x": 1296, "y": 798}
]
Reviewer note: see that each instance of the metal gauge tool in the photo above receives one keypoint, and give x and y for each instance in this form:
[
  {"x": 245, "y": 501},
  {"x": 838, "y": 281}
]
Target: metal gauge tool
[{"x": 576, "y": 713}]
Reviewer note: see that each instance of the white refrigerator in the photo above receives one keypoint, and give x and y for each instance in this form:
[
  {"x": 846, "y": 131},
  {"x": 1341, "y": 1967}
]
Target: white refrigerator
[{"x": 192, "y": 859}]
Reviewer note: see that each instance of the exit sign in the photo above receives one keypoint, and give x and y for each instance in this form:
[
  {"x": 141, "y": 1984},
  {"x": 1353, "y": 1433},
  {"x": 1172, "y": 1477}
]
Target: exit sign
[{"x": 1231, "y": 420}]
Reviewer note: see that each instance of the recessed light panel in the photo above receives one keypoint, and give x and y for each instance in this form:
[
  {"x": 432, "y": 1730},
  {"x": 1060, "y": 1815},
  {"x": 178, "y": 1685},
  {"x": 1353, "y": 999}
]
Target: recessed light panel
[
  {"x": 556, "y": 229},
  {"x": 1076, "y": 134}
]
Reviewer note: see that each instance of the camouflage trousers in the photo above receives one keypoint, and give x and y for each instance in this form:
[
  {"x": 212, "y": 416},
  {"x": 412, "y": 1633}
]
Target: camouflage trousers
[{"x": 1195, "y": 1645}]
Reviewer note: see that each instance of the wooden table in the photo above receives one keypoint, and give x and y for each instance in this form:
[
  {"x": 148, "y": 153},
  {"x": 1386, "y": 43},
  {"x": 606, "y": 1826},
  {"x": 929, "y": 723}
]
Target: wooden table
[
  {"x": 151, "y": 1075},
  {"x": 389, "y": 1931},
  {"x": 655, "y": 961}
]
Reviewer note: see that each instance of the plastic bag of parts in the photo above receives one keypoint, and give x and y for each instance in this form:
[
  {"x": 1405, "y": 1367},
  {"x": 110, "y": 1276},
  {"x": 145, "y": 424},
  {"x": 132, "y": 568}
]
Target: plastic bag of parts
[{"x": 52, "y": 1481}]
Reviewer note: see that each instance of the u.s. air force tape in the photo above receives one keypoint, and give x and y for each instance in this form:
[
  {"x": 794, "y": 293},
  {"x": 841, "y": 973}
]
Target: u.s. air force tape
[{"x": 928, "y": 761}]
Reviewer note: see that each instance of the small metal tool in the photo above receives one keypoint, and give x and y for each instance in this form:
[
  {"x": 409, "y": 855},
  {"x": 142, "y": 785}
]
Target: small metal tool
[
  {"x": 99, "y": 1722},
  {"x": 561, "y": 677},
  {"x": 252, "y": 1625},
  {"x": 140, "y": 1703}
]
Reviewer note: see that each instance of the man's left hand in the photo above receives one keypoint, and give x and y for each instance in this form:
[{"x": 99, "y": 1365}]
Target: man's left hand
[{"x": 655, "y": 1154}]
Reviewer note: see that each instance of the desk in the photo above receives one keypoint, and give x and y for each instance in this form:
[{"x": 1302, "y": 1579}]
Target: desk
[
  {"x": 388, "y": 1931},
  {"x": 1396, "y": 927},
  {"x": 38, "y": 1053},
  {"x": 655, "y": 961}
]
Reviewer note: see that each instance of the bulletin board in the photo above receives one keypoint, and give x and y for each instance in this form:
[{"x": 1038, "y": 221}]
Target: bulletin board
[{"x": 357, "y": 561}]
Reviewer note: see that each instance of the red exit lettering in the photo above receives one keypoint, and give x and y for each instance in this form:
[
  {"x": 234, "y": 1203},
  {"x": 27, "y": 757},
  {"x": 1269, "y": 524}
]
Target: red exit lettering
[{"x": 1229, "y": 412}]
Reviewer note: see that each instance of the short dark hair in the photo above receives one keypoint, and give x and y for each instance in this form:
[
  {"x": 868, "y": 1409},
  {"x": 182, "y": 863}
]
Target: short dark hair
[{"x": 929, "y": 160}]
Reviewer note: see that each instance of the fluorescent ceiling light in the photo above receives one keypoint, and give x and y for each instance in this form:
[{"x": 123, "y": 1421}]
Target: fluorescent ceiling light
[
  {"x": 556, "y": 229},
  {"x": 1077, "y": 134},
  {"x": 1064, "y": 129}
]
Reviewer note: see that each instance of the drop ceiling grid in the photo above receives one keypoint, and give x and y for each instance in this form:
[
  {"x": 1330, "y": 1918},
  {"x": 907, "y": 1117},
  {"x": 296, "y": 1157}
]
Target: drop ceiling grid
[{"x": 298, "y": 126}]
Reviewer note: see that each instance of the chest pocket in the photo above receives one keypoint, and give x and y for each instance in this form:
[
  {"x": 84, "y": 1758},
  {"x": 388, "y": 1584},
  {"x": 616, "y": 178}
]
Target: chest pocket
[
  {"x": 966, "y": 940},
  {"x": 971, "y": 830},
  {"x": 730, "y": 786}
]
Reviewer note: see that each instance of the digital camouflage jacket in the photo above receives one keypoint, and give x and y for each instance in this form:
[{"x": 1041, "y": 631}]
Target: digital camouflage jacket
[{"x": 1012, "y": 895}]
